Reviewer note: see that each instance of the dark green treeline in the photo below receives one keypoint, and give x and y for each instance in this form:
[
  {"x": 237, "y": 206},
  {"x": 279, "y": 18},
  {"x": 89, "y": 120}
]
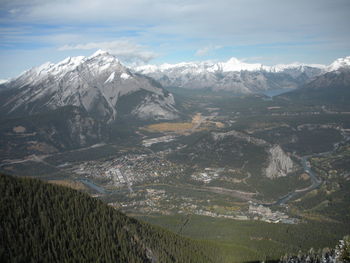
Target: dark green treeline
[{"x": 40, "y": 222}]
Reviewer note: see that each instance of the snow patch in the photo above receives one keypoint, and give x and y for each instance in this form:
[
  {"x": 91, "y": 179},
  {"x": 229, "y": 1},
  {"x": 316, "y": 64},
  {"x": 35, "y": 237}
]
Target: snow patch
[
  {"x": 110, "y": 78},
  {"x": 234, "y": 64},
  {"x": 98, "y": 53},
  {"x": 125, "y": 76}
]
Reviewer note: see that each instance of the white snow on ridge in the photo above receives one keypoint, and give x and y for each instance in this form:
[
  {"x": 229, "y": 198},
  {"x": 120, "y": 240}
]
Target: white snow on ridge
[
  {"x": 125, "y": 76},
  {"x": 339, "y": 63},
  {"x": 111, "y": 77},
  {"x": 295, "y": 65},
  {"x": 66, "y": 65},
  {"x": 2, "y": 81},
  {"x": 235, "y": 65},
  {"x": 232, "y": 65},
  {"x": 99, "y": 53},
  {"x": 92, "y": 83}
]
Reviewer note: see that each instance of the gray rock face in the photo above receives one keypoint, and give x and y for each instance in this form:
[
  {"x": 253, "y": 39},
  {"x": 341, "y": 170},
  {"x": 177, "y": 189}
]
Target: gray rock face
[
  {"x": 96, "y": 84},
  {"x": 280, "y": 164}
]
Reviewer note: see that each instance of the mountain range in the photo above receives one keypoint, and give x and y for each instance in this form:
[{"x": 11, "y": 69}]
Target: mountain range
[
  {"x": 237, "y": 76},
  {"x": 82, "y": 101}
]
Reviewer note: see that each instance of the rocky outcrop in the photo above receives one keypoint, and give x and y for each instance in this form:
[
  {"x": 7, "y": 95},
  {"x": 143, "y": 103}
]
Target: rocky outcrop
[{"x": 280, "y": 164}]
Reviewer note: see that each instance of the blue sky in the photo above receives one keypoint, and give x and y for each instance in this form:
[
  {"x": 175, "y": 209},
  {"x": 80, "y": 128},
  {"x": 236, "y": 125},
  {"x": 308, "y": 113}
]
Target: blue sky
[{"x": 158, "y": 31}]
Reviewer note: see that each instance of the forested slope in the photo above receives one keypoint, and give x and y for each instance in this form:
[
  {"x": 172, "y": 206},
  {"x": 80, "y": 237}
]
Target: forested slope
[{"x": 40, "y": 222}]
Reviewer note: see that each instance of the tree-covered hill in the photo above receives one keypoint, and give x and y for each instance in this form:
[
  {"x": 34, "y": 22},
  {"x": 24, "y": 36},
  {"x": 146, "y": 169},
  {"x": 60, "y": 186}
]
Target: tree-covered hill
[{"x": 40, "y": 222}]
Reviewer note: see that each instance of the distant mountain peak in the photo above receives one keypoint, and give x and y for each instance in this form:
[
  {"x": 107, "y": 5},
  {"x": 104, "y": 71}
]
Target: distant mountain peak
[
  {"x": 234, "y": 64},
  {"x": 232, "y": 75},
  {"x": 99, "y": 52},
  {"x": 95, "y": 84},
  {"x": 340, "y": 63}
]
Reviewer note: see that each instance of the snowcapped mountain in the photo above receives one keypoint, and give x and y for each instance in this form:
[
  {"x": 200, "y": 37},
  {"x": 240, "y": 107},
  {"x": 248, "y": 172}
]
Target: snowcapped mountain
[
  {"x": 232, "y": 75},
  {"x": 340, "y": 63},
  {"x": 78, "y": 102},
  {"x": 96, "y": 84},
  {"x": 330, "y": 88}
]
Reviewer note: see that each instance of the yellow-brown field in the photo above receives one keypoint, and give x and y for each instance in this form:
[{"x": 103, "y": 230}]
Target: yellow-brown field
[
  {"x": 198, "y": 123},
  {"x": 170, "y": 126}
]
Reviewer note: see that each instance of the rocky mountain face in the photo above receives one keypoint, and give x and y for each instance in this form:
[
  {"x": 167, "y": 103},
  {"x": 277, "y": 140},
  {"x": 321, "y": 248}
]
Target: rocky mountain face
[
  {"x": 280, "y": 164},
  {"x": 57, "y": 130},
  {"x": 330, "y": 88},
  {"x": 95, "y": 84},
  {"x": 233, "y": 75},
  {"x": 75, "y": 102}
]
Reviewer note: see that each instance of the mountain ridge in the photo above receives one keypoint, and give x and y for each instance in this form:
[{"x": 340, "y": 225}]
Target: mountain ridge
[
  {"x": 95, "y": 84},
  {"x": 237, "y": 76}
]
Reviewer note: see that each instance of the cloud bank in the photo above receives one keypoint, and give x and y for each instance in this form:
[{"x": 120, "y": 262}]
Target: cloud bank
[{"x": 312, "y": 31}]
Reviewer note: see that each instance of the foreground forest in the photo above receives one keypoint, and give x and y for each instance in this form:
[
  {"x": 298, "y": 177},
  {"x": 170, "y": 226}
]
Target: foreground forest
[{"x": 40, "y": 222}]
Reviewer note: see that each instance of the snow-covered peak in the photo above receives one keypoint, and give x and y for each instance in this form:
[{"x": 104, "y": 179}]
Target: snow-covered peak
[
  {"x": 2, "y": 81},
  {"x": 42, "y": 69},
  {"x": 66, "y": 65},
  {"x": 167, "y": 66},
  {"x": 99, "y": 52},
  {"x": 233, "y": 64},
  {"x": 339, "y": 63},
  {"x": 95, "y": 83},
  {"x": 295, "y": 66},
  {"x": 100, "y": 61}
]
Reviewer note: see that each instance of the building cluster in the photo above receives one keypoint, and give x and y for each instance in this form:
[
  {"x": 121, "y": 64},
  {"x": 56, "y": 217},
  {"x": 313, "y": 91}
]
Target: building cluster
[
  {"x": 127, "y": 170},
  {"x": 207, "y": 175},
  {"x": 263, "y": 213}
]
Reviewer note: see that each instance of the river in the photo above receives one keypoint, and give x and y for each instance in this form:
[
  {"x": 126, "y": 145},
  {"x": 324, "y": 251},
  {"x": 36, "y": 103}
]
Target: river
[
  {"x": 93, "y": 186},
  {"x": 315, "y": 183}
]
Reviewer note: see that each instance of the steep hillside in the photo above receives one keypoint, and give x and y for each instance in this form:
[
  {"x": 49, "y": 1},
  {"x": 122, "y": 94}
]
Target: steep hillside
[
  {"x": 77, "y": 102},
  {"x": 40, "y": 222},
  {"x": 331, "y": 88},
  {"x": 95, "y": 84}
]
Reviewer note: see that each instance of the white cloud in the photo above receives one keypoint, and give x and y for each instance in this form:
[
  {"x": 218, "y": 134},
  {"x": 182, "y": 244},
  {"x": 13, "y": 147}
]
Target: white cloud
[
  {"x": 284, "y": 30},
  {"x": 206, "y": 50},
  {"x": 126, "y": 50},
  {"x": 230, "y": 21}
]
